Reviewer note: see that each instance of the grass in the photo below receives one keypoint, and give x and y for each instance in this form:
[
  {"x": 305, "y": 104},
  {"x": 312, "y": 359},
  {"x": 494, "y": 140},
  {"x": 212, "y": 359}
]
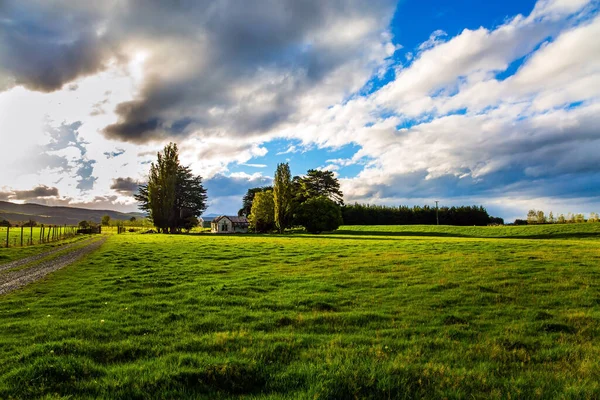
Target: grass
[
  {"x": 29, "y": 234},
  {"x": 369, "y": 312}
]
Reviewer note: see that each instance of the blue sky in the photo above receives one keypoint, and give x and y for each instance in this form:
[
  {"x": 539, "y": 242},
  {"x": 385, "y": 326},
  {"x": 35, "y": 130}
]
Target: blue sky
[{"x": 466, "y": 102}]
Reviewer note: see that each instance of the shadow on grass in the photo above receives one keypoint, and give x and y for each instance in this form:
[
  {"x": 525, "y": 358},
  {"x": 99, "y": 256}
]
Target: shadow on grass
[
  {"x": 343, "y": 234},
  {"x": 388, "y": 235}
]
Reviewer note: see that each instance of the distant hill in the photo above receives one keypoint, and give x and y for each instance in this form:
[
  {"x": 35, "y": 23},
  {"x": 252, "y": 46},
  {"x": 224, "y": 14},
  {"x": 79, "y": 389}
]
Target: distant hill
[
  {"x": 210, "y": 215},
  {"x": 17, "y": 213}
]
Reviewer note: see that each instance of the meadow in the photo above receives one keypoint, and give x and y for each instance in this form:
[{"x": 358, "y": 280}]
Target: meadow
[
  {"x": 34, "y": 235},
  {"x": 367, "y": 312}
]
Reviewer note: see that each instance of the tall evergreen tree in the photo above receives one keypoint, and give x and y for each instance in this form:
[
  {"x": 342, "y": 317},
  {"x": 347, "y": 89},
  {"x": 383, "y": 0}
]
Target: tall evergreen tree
[
  {"x": 282, "y": 196},
  {"x": 318, "y": 183},
  {"x": 161, "y": 187},
  {"x": 173, "y": 194}
]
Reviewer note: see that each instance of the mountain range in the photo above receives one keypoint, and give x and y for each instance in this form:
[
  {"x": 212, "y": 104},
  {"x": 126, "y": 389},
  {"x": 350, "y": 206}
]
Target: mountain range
[{"x": 49, "y": 215}]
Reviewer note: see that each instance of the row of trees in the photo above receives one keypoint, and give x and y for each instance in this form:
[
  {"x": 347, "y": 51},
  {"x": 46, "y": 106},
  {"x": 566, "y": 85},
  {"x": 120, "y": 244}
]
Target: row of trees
[
  {"x": 173, "y": 196},
  {"x": 27, "y": 224},
  {"x": 367, "y": 214},
  {"x": 538, "y": 217},
  {"x": 312, "y": 201}
]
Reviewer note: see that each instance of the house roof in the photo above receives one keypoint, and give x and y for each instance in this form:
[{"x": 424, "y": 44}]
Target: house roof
[{"x": 234, "y": 219}]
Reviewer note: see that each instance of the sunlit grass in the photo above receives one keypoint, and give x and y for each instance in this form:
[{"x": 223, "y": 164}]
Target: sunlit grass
[{"x": 380, "y": 312}]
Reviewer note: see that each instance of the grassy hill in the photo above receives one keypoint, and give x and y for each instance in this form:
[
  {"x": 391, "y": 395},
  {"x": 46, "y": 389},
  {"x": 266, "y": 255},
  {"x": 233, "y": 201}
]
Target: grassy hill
[
  {"x": 368, "y": 312},
  {"x": 16, "y": 213}
]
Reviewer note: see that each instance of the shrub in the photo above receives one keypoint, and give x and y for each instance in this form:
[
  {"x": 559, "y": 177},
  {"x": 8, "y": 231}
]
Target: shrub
[{"x": 320, "y": 214}]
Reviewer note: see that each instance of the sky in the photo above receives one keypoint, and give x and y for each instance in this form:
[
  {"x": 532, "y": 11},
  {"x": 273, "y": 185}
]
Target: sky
[{"x": 407, "y": 102}]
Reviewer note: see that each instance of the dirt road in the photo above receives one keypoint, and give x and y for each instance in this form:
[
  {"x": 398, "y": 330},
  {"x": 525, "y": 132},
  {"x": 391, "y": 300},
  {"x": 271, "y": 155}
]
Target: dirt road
[{"x": 11, "y": 280}]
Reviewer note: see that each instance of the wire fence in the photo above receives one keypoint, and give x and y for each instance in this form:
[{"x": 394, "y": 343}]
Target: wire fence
[{"x": 20, "y": 236}]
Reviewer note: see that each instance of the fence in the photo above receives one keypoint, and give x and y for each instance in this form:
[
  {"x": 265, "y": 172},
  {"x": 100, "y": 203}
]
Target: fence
[{"x": 16, "y": 236}]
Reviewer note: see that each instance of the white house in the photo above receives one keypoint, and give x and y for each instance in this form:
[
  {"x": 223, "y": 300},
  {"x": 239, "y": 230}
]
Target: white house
[{"x": 229, "y": 224}]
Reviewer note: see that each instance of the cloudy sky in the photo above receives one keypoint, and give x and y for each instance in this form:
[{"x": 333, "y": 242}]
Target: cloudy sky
[{"x": 411, "y": 101}]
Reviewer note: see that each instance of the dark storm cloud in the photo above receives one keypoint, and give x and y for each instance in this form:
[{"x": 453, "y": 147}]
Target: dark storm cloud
[
  {"x": 126, "y": 186},
  {"x": 44, "y": 45},
  {"x": 249, "y": 59},
  {"x": 35, "y": 193}
]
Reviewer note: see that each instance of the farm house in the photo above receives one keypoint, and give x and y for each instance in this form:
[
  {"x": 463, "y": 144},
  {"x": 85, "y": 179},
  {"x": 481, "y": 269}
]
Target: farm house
[{"x": 229, "y": 224}]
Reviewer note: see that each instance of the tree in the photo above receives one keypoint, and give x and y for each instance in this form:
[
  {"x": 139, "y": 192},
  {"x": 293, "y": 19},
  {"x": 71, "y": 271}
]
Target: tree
[
  {"x": 30, "y": 223},
  {"x": 249, "y": 198},
  {"x": 320, "y": 214},
  {"x": 5, "y": 222},
  {"x": 190, "y": 223},
  {"x": 561, "y": 219},
  {"x": 172, "y": 193},
  {"x": 84, "y": 224},
  {"x": 262, "y": 215},
  {"x": 132, "y": 219},
  {"x": 318, "y": 183},
  {"x": 541, "y": 218},
  {"x": 161, "y": 187},
  {"x": 106, "y": 220},
  {"x": 282, "y": 196},
  {"x": 190, "y": 197},
  {"x": 496, "y": 221},
  {"x": 532, "y": 217},
  {"x": 551, "y": 218}
]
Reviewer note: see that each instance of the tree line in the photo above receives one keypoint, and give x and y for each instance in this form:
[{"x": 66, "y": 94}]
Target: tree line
[
  {"x": 367, "y": 214},
  {"x": 535, "y": 217},
  {"x": 174, "y": 198},
  {"x": 313, "y": 201}
]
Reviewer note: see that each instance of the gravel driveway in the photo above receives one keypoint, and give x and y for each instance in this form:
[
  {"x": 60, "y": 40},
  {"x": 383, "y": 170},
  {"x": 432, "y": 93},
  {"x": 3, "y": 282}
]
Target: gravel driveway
[
  {"x": 10, "y": 281},
  {"x": 35, "y": 257}
]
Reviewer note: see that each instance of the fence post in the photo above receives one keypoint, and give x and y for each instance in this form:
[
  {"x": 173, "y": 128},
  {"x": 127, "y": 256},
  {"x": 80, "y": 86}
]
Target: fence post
[
  {"x": 31, "y": 234},
  {"x": 7, "y": 230},
  {"x": 49, "y": 231},
  {"x": 21, "y": 235}
]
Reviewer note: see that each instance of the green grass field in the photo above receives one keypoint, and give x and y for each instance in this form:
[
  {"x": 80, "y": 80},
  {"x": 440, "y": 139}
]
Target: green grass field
[
  {"x": 367, "y": 312},
  {"x": 31, "y": 235}
]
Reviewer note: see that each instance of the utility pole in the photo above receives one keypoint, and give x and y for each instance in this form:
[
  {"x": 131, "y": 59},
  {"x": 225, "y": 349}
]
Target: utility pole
[{"x": 437, "y": 218}]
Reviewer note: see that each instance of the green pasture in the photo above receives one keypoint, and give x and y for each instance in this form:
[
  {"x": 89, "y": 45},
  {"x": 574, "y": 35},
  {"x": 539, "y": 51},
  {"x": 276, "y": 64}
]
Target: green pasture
[
  {"x": 32, "y": 236},
  {"x": 368, "y": 312}
]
